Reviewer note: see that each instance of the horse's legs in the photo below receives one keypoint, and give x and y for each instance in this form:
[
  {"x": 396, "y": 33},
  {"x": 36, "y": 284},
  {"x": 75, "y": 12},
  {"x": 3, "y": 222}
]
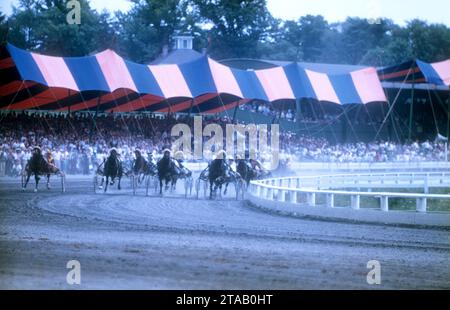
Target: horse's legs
[
  {"x": 173, "y": 184},
  {"x": 160, "y": 186},
  {"x": 27, "y": 180},
  {"x": 226, "y": 188},
  {"x": 118, "y": 184},
  {"x": 48, "y": 181},
  {"x": 211, "y": 189},
  {"x": 106, "y": 183},
  {"x": 220, "y": 190},
  {"x": 167, "y": 183},
  {"x": 36, "y": 178}
]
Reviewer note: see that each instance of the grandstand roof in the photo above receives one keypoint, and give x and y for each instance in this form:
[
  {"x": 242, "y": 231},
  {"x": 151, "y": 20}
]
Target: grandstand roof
[
  {"x": 105, "y": 81},
  {"x": 417, "y": 71},
  {"x": 257, "y": 64},
  {"x": 178, "y": 56}
]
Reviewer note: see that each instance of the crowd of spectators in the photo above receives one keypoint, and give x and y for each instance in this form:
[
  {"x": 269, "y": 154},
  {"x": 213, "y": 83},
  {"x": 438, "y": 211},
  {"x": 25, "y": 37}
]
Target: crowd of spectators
[
  {"x": 320, "y": 150},
  {"x": 79, "y": 142},
  {"x": 268, "y": 110}
]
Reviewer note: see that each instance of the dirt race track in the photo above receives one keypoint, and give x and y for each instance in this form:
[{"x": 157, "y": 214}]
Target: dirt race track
[{"x": 126, "y": 242}]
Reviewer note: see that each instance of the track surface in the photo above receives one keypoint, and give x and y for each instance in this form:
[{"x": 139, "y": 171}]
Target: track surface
[{"x": 126, "y": 242}]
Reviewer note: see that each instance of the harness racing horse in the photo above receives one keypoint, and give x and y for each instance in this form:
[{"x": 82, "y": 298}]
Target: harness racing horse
[
  {"x": 251, "y": 170},
  {"x": 142, "y": 170},
  {"x": 110, "y": 168},
  {"x": 244, "y": 168},
  {"x": 170, "y": 170},
  {"x": 165, "y": 167},
  {"x": 219, "y": 174},
  {"x": 38, "y": 166}
]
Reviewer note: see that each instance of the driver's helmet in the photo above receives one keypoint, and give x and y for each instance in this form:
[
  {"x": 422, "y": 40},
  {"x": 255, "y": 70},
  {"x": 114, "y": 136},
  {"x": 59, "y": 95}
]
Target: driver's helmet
[
  {"x": 167, "y": 152},
  {"x": 221, "y": 154},
  {"x": 179, "y": 155},
  {"x": 113, "y": 151}
]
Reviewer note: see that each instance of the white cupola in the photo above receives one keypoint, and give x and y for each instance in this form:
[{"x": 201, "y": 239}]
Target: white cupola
[{"x": 183, "y": 42}]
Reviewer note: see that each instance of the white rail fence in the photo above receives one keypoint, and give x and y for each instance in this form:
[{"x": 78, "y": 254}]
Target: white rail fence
[
  {"x": 291, "y": 188},
  {"x": 372, "y": 166},
  {"x": 354, "y": 166}
]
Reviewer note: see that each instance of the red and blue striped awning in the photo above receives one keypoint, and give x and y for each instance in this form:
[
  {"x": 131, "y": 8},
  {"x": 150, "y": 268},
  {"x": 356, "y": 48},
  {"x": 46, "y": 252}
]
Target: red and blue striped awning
[
  {"x": 107, "y": 82},
  {"x": 418, "y": 72}
]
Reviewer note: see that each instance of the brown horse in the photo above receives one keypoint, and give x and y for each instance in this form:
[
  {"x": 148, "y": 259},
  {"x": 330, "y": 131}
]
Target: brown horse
[
  {"x": 112, "y": 168},
  {"x": 38, "y": 166}
]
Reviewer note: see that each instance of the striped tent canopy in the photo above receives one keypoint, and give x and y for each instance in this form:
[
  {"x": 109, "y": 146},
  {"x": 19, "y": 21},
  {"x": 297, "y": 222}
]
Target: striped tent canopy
[
  {"x": 418, "y": 71},
  {"x": 107, "y": 82}
]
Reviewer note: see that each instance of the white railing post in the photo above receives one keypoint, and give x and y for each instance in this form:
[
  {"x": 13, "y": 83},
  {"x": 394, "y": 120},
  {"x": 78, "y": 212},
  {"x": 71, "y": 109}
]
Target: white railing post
[
  {"x": 258, "y": 190},
  {"x": 263, "y": 192},
  {"x": 293, "y": 196},
  {"x": 421, "y": 205},
  {"x": 270, "y": 193},
  {"x": 281, "y": 195},
  {"x": 355, "y": 200},
  {"x": 311, "y": 199},
  {"x": 384, "y": 203},
  {"x": 280, "y": 190},
  {"x": 330, "y": 200}
]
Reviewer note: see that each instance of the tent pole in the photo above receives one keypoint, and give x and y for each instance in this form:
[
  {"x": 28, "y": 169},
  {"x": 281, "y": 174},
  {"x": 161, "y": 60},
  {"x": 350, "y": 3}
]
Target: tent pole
[
  {"x": 223, "y": 105},
  {"x": 298, "y": 109},
  {"x": 68, "y": 108},
  {"x": 235, "y": 111},
  {"x": 411, "y": 112},
  {"x": 170, "y": 107},
  {"x": 190, "y": 108},
  {"x": 444, "y": 107},
  {"x": 94, "y": 120}
]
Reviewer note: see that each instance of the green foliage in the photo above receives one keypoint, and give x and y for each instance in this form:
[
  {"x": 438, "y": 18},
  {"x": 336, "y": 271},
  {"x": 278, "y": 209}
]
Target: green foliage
[
  {"x": 237, "y": 26},
  {"x": 149, "y": 26},
  {"x": 3, "y": 28},
  {"x": 229, "y": 28},
  {"x": 41, "y": 25}
]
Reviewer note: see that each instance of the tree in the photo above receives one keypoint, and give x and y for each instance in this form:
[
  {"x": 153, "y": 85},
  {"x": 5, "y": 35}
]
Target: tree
[
  {"x": 428, "y": 42},
  {"x": 237, "y": 26},
  {"x": 42, "y": 26},
  {"x": 292, "y": 35},
  {"x": 352, "y": 39},
  {"x": 312, "y": 30},
  {"x": 3, "y": 29},
  {"x": 150, "y": 24}
]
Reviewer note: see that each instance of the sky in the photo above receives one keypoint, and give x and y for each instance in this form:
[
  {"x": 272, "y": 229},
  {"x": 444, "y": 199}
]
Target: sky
[{"x": 434, "y": 11}]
